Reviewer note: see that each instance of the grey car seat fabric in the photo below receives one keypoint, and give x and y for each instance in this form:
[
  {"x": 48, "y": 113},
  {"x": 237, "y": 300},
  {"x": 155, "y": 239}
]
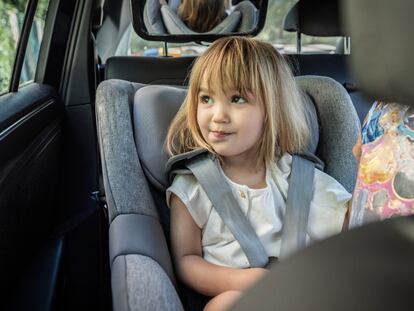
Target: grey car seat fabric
[
  {"x": 152, "y": 17},
  {"x": 141, "y": 270},
  {"x": 339, "y": 127}
]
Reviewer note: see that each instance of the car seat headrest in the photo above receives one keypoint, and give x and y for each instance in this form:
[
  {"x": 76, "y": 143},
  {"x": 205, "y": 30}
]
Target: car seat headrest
[
  {"x": 382, "y": 47},
  {"x": 152, "y": 17},
  {"x": 176, "y": 26},
  {"x": 154, "y": 108},
  {"x": 249, "y": 16},
  {"x": 315, "y": 18}
]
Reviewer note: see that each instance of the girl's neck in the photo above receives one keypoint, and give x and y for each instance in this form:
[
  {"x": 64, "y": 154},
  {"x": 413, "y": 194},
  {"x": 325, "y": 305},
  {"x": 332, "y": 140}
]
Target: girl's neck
[{"x": 245, "y": 171}]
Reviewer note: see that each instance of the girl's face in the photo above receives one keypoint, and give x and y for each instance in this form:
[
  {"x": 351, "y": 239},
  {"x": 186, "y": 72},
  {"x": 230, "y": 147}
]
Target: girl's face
[{"x": 230, "y": 123}]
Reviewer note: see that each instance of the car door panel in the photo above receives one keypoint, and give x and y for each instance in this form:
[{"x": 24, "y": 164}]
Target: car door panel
[{"x": 30, "y": 152}]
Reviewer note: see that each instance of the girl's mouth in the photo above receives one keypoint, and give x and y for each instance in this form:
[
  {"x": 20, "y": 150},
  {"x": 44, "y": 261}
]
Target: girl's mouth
[{"x": 219, "y": 134}]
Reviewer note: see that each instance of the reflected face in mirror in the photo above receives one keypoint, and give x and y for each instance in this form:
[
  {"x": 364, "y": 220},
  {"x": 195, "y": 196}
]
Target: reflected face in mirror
[
  {"x": 192, "y": 17},
  {"x": 203, "y": 15}
]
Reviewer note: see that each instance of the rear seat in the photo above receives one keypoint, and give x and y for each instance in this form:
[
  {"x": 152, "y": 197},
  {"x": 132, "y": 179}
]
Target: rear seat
[
  {"x": 149, "y": 70},
  {"x": 311, "y": 18}
]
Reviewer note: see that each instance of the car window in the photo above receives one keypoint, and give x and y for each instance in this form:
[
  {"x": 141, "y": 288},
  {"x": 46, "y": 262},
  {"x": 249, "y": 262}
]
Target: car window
[
  {"x": 285, "y": 41},
  {"x": 12, "y": 14},
  {"x": 273, "y": 33},
  {"x": 11, "y": 21},
  {"x": 33, "y": 46}
]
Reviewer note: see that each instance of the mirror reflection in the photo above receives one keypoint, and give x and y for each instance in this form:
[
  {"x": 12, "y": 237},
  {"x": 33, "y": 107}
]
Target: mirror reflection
[{"x": 180, "y": 17}]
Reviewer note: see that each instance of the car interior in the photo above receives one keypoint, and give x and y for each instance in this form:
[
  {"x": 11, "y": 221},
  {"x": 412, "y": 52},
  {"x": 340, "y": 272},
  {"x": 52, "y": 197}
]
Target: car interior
[
  {"x": 364, "y": 268},
  {"x": 83, "y": 218}
]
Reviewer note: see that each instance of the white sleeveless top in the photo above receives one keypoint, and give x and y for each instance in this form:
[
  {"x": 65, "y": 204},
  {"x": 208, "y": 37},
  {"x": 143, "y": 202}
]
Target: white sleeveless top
[{"x": 265, "y": 209}]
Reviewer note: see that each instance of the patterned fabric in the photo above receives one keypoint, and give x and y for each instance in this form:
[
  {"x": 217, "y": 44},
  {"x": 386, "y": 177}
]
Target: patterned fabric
[{"x": 385, "y": 185}]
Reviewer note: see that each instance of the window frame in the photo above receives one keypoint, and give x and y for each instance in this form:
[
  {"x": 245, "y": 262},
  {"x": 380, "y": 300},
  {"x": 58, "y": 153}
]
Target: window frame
[{"x": 22, "y": 45}]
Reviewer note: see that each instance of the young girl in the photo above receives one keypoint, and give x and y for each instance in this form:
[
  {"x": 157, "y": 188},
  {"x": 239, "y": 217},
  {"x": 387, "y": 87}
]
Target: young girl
[
  {"x": 202, "y": 15},
  {"x": 242, "y": 105}
]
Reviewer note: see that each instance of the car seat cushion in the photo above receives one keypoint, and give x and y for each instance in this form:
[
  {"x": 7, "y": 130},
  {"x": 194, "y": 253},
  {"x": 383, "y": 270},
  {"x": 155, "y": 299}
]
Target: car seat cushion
[
  {"x": 154, "y": 109},
  {"x": 139, "y": 283},
  {"x": 120, "y": 162},
  {"x": 339, "y": 127}
]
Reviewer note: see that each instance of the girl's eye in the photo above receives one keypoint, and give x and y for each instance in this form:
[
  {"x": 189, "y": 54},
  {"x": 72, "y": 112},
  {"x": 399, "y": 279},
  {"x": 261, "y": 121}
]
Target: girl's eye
[
  {"x": 238, "y": 99},
  {"x": 206, "y": 99}
]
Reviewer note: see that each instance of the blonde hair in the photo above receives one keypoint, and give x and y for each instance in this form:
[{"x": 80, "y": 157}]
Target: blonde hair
[
  {"x": 202, "y": 15},
  {"x": 249, "y": 66}
]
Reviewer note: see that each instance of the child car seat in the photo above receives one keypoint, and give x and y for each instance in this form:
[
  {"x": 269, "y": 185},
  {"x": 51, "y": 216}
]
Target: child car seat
[{"x": 131, "y": 135}]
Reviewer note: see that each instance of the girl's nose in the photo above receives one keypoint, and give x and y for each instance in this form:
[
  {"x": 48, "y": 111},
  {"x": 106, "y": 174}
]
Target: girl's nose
[{"x": 221, "y": 113}]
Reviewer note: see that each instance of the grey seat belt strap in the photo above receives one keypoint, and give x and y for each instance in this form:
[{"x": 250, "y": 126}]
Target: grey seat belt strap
[
  {"x": 299, "y": 197},
  {"x": 224, "y": 202}
]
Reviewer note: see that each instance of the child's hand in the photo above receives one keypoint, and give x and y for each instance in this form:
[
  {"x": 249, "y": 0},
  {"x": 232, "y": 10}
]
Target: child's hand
[{"x": 252, "y": 275}]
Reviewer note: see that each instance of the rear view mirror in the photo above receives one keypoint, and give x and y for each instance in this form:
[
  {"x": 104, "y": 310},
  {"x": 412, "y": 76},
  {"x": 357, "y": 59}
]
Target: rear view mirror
[{"x": 197, "y": 20}]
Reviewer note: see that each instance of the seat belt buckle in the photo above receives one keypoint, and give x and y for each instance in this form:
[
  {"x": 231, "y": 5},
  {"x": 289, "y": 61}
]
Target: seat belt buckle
[{"x": 101, "y": 202}]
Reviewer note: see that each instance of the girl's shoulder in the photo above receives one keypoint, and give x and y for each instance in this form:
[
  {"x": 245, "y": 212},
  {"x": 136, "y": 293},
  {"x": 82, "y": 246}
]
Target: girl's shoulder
[
  {"x": 186, "y": 184},
  {"x": 323, "y": 182},
  {"x": 190, "y": 192}
]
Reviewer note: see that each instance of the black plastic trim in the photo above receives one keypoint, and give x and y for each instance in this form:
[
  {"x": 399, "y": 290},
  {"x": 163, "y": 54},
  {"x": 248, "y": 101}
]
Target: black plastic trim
[
  {"x": 21, "y": 46},
  {"x": 25, "y": 118},
  {"x": 46, "y": 40},
  {"x": 14, "y": 106},
  {"x": 38, "y": 289}
]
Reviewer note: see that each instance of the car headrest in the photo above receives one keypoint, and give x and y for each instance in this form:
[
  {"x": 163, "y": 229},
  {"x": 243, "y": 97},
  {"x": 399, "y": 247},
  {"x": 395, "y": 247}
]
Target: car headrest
[
  {"x": 249, "y": 16},
  {"x": 382, "y": 47},
  {"x": 152, "y": 17},
  {"x": 154, "y": 108},
  {"x": 315, "y": 18},
  {"x": 176, "y": 26}
]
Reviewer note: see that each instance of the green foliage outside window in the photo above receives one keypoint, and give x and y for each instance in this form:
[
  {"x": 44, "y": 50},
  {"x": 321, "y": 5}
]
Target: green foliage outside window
[{"x": 11, "y": 20}]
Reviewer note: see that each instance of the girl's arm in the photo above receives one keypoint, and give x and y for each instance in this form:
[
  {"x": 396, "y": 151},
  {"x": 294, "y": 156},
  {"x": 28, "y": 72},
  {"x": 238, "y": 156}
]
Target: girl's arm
[
  {"x": 206, "y": 278},
  {"x": 345, "y": 225}
]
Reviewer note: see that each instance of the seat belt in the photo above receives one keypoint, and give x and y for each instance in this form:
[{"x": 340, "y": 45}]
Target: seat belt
[
  {"x": 299, "y": 197},
  {"x": 222, "y": 198}
]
